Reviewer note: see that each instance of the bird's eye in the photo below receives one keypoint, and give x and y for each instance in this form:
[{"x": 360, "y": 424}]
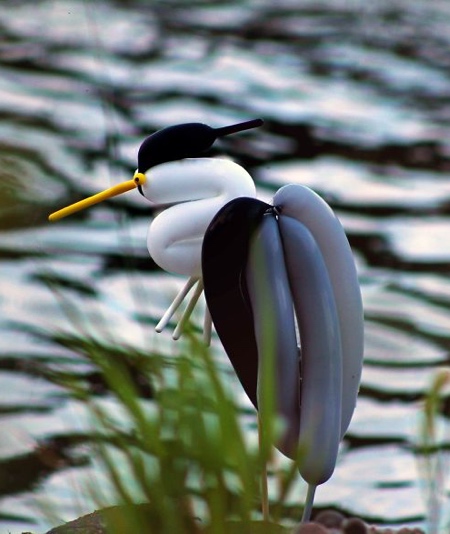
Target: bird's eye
[{"x": 139, "y": 179}]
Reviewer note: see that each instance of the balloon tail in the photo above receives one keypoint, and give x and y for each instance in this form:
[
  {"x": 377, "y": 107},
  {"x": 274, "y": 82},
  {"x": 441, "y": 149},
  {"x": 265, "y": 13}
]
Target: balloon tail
[{"x": 240, "y": 127}]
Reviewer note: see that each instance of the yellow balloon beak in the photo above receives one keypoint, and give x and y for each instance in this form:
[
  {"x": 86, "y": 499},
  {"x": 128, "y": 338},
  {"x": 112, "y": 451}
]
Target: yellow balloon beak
[{"x": 139, "y": 178}]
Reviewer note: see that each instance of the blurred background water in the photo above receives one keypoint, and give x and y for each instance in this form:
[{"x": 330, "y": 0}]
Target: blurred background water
[{"x": 356, "y": 102}]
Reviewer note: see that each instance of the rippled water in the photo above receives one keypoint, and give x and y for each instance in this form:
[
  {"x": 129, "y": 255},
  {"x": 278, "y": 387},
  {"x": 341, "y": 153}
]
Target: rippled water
[{"x": 356, "y": 103}]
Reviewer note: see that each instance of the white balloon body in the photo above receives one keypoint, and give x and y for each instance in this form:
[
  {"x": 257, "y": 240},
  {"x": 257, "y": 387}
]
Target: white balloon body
[
  {"x": 201, "y": 186},
  {"x": 302, "y": 204}
]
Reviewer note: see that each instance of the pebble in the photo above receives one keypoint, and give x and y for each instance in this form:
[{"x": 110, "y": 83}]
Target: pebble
[
  {"x": 311, "y": 528},
  {"x": 331, "y": 522}
]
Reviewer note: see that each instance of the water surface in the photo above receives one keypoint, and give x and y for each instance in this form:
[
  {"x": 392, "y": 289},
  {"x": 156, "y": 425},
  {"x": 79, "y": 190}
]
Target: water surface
[{"x": 356, "y": 105}]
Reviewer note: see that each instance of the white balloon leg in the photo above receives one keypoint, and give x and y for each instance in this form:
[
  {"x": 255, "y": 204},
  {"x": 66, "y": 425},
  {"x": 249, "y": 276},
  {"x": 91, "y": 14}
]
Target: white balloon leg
[
  {"x": 177, "y": 301},
  {"x": 175, "y": 304}
]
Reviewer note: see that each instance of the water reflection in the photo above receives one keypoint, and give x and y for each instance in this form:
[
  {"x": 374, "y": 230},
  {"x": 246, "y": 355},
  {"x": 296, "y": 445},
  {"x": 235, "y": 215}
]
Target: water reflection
[{"x": 356, "y": 105}]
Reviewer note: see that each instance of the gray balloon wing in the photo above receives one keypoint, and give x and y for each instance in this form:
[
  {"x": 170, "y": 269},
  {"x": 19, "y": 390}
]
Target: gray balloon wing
[
  {"x": 321, "y": 362},
  {"x": 286, "y": 272},
  {"x": 304, "y": 205},
  {"x": 274, "y": 327}
]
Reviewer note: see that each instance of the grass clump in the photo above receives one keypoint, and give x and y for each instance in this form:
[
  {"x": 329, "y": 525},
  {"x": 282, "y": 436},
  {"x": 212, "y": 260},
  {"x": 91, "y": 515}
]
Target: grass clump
[{"x": 179, "y": 461}]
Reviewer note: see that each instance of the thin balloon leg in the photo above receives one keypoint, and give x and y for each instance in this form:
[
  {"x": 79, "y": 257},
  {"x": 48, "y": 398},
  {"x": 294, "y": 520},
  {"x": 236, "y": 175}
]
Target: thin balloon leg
[
  {"x": 264, "y": 487},
  {"x": 308, "y": 503},
  {"x": 207, "y": 326},
  {"x": 175, "y": 304},
  {"x": 188, "y": 311}
]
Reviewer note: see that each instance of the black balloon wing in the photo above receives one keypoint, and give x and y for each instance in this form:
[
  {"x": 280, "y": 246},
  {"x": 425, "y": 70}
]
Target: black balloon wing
[{"x": 224, "y": 258}]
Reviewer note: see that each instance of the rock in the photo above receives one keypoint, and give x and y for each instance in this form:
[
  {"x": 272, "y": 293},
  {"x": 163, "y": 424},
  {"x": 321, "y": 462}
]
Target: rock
[
  {"x": 137, "y": 518},
  {"x": 329, "y": 519},
  {"x": 311, "y": 528},
  {"x": 354, "y": 526},
  {"x": 100, "y": 522}
]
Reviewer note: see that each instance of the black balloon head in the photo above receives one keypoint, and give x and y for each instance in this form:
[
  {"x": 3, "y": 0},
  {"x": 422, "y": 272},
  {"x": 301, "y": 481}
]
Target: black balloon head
[{"x": 189, "y": 140}]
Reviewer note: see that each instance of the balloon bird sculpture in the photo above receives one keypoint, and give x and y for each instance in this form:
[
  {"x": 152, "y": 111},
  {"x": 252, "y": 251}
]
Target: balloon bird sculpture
[{"x": 279, "y": 280}]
